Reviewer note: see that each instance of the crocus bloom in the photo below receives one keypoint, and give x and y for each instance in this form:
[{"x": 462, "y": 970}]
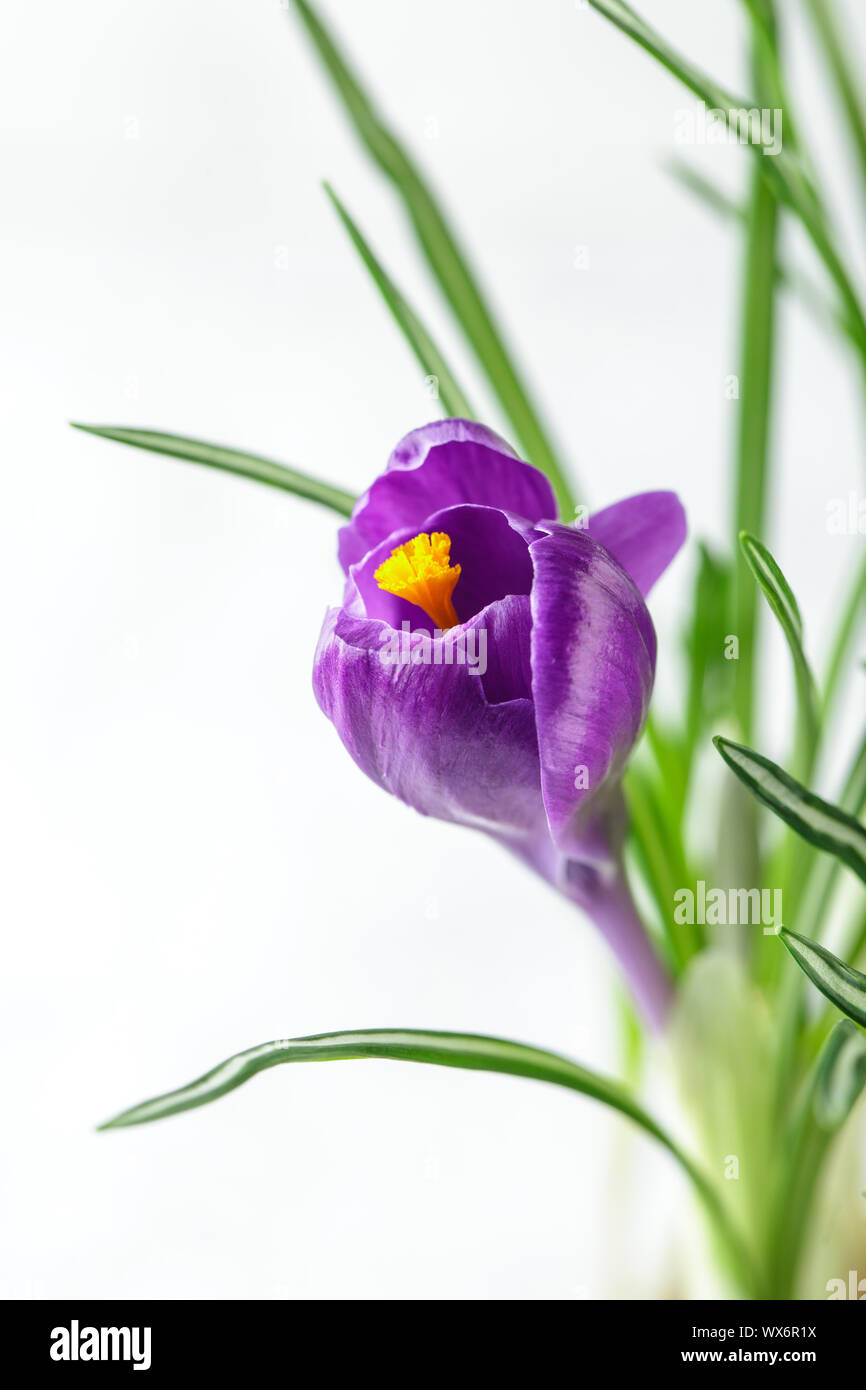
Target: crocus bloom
[{"x": 453, "y": 552}]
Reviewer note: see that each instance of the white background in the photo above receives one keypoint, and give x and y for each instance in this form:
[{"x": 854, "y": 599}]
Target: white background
[{"x": 191, "y": 863}]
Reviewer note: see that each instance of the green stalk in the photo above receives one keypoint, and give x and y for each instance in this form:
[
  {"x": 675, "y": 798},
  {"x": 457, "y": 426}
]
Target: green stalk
[
  {"x": 756, "y": 382},
  {"x": 757, "y": 325}
]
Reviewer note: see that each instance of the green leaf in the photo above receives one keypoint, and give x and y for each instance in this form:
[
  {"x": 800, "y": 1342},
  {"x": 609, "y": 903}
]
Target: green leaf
[
  {"x": 817, "y": 821},
  {"x": 720, "y": 1041},
  {"x": 465, "y": 1050},
  {"x": 756, "y": 363},
  {"x": 840, "y": 1076},
  {"x": 837, "y": 51},
  {"x": 784, "y": 171},
  {"x": 848, "y": 630},
  {"x": 817, "y": 893},
  {"x": 843, "y": 986},
  {"x": 831, "y": 1091},
  {"x": 660, "y": 858},
  {"x": 260, "y": 470},
  {"x": 781, "y": 599},
  {"x": 776, "y": 589},
  {"x": 709, "y": 672},
  {"x": 428, "y": 354},
  {"x": 444, "y": 256},
  {"x": 790, "y": 277}
]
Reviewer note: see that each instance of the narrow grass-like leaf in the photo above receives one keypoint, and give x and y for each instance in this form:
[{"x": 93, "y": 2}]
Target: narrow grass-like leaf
[
  {"x": 467, "y": 1050},
  {"x": 842, "y": 984},
  {"x": 783, "y": 171},
  {"x": 260, "y": 470},
  {"x": 777, "y": 590},
  {"x": 780, "y": 597},
  {"x": 444, "y": 256},
  {"x": 757, "y": 338},
  {"x": 470, "y": 1051},
  {"x": 709, "y": 672},
  {"x": 659, "y": 854},
  {"x": 849, "y": 626},
  {"x": 789, "y": 277},
  {"x": 425, "y": 349},
  {"x": 848, "y": 84},
  {"x": 817, "y": 821}
]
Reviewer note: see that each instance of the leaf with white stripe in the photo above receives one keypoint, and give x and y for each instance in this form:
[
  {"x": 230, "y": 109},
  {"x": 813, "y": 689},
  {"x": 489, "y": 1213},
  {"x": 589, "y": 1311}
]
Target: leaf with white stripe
[
  {"x": 840, "y": 1075},
  {"x": 471, "y": 1051},
  {"x": 842, "y": 984},
  {"x": 816, "y": 820},
  {"x": 779, "y": 595}
]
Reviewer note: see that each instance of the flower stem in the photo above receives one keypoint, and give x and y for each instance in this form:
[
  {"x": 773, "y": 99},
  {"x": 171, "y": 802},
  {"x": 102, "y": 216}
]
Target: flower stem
[
  {"x": 603, "y": 894},
  {"x": 611, "y": 907}
]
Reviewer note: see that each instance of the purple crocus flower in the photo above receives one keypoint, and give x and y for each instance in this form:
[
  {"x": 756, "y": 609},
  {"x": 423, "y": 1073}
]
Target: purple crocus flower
[{"x": 494, "y": 668}]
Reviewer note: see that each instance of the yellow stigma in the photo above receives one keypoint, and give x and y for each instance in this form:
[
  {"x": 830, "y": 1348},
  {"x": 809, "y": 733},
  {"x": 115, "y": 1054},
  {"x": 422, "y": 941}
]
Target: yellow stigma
[{"x": 421, "y": 572}]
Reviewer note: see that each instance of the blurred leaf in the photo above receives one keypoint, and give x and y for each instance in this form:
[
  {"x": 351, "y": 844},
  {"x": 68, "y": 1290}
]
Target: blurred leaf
[
  {"x": 842, "y": 985},
  {"x": 659, "y": 857},
  {"x": 850, "y": 625},
  {"x": 813, "y": 892},
  {"x": 428, "y": 354},
  {"x": 840, "y": 1075},
  {"x": 444, "y": 256},
  {"x": 817, "y": 821},
  {"x": 720, "y": 1014},
  {"x": 784, "y": 172},
  {"x": 817, "y": 894},
  {"x": 784, "y": 605},
  {"x": 260, "y": 470},
  {"x": 465, "y": 1050},
  {"x": 710, "y": 677},
  {"x": 790, "y": 277},
  {"x": 831, "y": 1092},
  {"x": 837, "y": 51}
]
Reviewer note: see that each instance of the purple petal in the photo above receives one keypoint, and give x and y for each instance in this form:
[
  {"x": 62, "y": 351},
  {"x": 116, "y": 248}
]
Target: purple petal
[
  {"x": 489, "y": 545},
  {"x": 418, "y": 442},
  {"x": 593, "y": 662},
  {"x": 643, "y": 533},
  {"x": 507, "y": 626},
  {"x": 426, "y": 732},
  {"x": 441, "y": 465}
]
